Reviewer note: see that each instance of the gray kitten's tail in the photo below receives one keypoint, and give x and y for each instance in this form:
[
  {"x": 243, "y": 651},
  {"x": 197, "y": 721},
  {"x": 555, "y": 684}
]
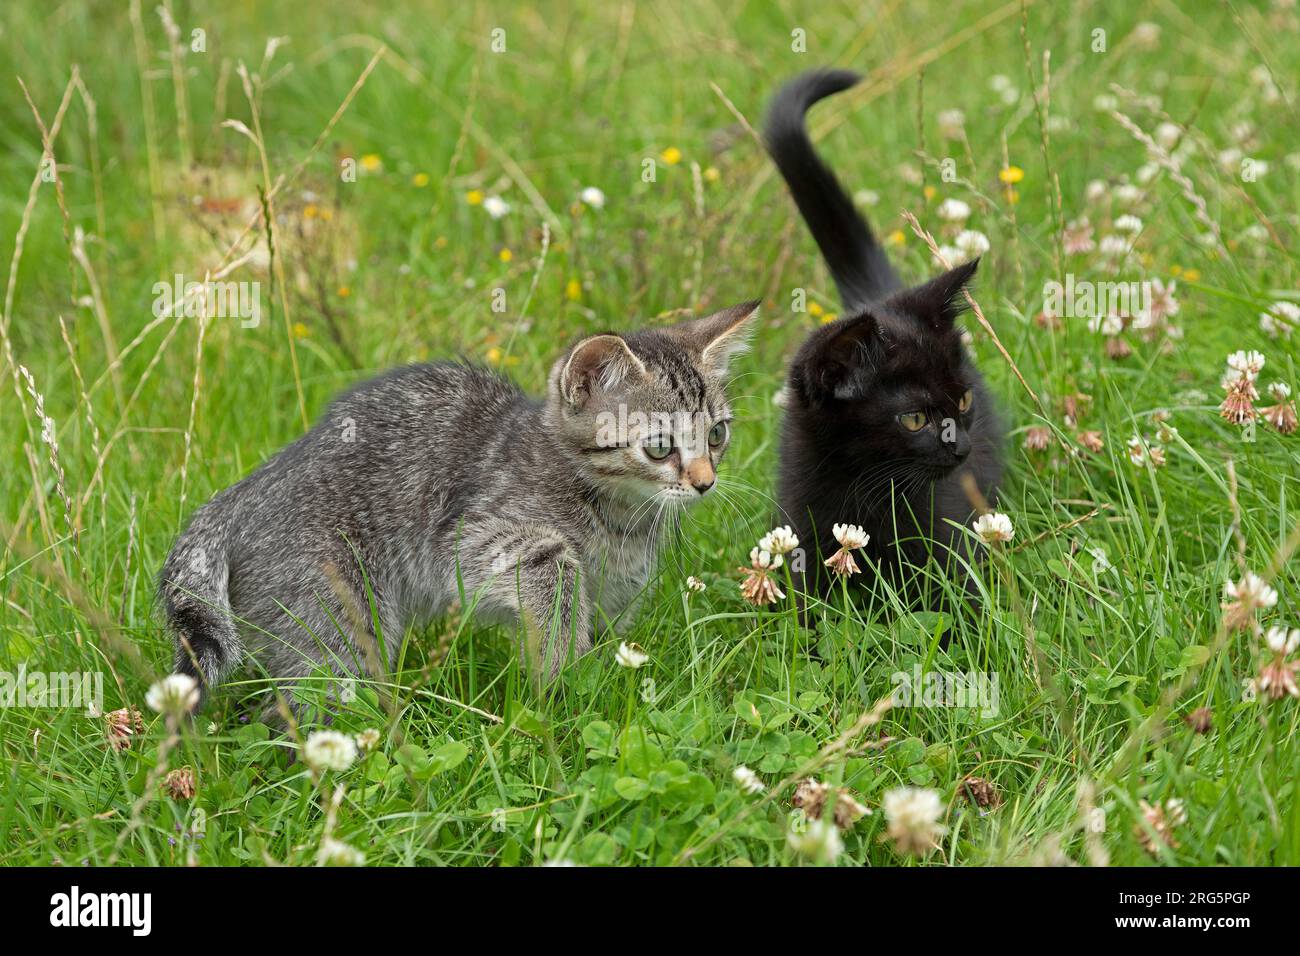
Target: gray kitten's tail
[
  {"x": 859, "y": 266},
  {"x": 193, "y": 590}
]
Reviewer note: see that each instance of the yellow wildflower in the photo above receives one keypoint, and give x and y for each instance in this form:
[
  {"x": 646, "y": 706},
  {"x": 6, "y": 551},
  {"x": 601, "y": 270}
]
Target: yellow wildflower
[
  {"x": 371, "y": 163},
  {"x": 573, "y": 290},
  {"x": 474, "y": 197},
  {"x": 711, "y": 175},
  {"x": 671, "y": 156},
  {"x": 1011, "y": 175},
  {"x": 506, "y": 255},
  {"x": 344, "y": 292},
  {"x": 300, "y": 331},
  {"x": 420, "y": 180},
  {"x": 815, "y": 309}
]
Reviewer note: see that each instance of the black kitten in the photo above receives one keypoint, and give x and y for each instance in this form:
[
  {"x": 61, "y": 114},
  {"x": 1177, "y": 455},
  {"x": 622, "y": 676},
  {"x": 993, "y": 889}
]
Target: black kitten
[{"x": 885, "y": 412}]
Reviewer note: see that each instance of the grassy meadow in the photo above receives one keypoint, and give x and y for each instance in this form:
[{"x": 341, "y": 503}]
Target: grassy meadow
[{"x": 426, "y": 166}]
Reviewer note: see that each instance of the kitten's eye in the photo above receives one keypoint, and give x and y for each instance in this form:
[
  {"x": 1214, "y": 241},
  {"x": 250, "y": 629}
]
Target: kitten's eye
[
  {"x": 913, "y": 421},
  {"x": 717, "y": 434},
  {"x": 657, "y": 449},
  {"x": 967, "y": 400}
]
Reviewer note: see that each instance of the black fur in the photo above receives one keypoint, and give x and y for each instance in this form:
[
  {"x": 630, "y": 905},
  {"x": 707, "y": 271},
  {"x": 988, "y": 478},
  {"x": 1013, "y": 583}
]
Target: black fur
[{"x": 845, "y": 456}]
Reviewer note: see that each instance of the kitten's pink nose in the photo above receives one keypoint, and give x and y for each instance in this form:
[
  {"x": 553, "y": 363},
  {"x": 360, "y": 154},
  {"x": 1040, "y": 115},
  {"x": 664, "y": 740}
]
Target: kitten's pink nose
[{"x": 700, "y": 474}]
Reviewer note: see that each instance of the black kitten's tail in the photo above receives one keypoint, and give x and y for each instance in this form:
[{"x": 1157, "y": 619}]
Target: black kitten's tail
[{"x": 859, "y": 266}]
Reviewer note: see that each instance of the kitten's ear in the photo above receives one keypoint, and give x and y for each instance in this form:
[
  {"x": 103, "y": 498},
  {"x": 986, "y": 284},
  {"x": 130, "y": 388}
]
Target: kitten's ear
[
  {"x": 717, "y": 338},
  {"x": 595, "y": 364},
  {"x": 836, "y": 352},
  {"x": 938, "y": 302}
]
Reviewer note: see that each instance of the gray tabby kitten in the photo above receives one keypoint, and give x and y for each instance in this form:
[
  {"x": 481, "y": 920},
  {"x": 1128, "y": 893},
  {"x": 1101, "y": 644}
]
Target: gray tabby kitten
[{"x": 433, "y": 477}]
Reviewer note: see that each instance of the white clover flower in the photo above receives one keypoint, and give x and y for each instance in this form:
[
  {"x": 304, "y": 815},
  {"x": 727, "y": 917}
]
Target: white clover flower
[
  {"x": 1108, "y": 325},
  {"x": 1229, "y": 159},
  {"x": 1113, "y": 247},
  {"x": 1096, "y": 190},
  {"x": 1247, "y": 363},
  {"x": 999, "y": 82},
  {"x": 631, "y": 656},
  {"x": 946, "y": 256},
  {"x": 1251, "y": 590},
  {"x": 1105, "y": 102},
  {"x": 1127, "y": 194},
  {"x": 1175, "y": 812},
  {"x": 953, "y": 210},
  {"x": 820, "y": 841},
  {"x": 779, "y": 541},
  {"x": 694, "y": 584},
  {"x": 593, "y": 197},
  {"x": 1261, "y": 76},
  {"x": 1128, "y": 223},
  {"x": 764, "y": 560},
  {"x": 1077, "y": 237},
  {"x": 1282, "y": 318},
  {"x": 866, "y": 197},
  {"x": 1281, "y": 641},
  {"x": 368, "y": 739},
  {"x": 994, "y": 527},
  {"x": 1280, "y": 391},
  {"x": 850, "y": 536},
  {"x": 1146, "y": 172},
  {"x": 971, "y": 243},
  {"x": 1137, "y": 451},
  {"x": 1146, "y": 34},
  {"x": 1168, "y": 134},
  {"x": 910, "y": 173},
  {"x": 952, "y": 123},
  {"x": 747, "y": 780},
  {"x": 912, "y": 818},
  {"x": 175, "y": 695},
  {"x": 495, "y": 206},
  {"x": 334, "y": 852},
  {"x": 1164, "y": 300},
  {"x": 329, "y": 750}
]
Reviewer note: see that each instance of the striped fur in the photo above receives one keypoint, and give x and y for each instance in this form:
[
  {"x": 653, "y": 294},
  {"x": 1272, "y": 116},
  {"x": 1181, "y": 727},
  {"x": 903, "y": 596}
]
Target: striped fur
[{"x": 433, "y": 477}]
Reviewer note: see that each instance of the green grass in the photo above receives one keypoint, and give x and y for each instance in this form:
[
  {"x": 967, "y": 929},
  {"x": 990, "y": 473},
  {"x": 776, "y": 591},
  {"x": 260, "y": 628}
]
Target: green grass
[{"x": 1095, "y": 670}]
